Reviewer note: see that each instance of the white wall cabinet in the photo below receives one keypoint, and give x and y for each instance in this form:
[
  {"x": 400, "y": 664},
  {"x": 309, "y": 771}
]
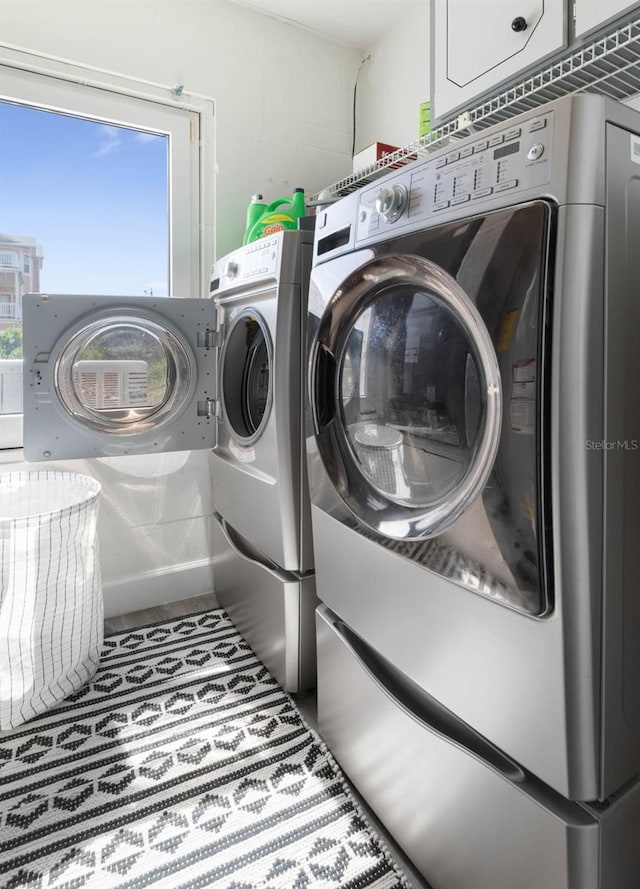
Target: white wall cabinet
[
  {"x": 478, "y": 45},
  {"x": 591, "y": 14}
]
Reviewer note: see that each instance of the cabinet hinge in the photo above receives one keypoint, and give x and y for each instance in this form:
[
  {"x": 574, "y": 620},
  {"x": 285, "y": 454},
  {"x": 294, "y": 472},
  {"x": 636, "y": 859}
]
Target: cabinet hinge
[
  {"x": 210, "y": 339},
  {"x": 209, "y": 408}
]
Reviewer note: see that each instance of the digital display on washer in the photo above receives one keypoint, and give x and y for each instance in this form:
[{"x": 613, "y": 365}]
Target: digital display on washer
[{"x": 504, "y": 150}]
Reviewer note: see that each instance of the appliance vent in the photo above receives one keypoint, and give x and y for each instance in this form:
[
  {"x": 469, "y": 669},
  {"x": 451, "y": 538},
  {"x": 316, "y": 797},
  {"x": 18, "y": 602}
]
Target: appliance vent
[{"x": 103, "y": 384}]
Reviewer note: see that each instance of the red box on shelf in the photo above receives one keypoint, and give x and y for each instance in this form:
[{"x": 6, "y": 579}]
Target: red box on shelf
[{"x": 371, "y": 155}]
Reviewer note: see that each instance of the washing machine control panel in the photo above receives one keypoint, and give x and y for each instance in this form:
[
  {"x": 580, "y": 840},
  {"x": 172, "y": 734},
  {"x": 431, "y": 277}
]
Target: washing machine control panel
[
  {"x": 478, "y": 170},
  {"x": 256, "y": 260}
]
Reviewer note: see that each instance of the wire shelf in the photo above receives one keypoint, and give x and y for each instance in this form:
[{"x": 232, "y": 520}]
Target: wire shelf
[{"x": 609, "y": 65}]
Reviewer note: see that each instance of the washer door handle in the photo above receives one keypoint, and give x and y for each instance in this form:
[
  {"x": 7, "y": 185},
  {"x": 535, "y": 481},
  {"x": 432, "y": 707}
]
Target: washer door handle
[{"x": 323, "y": 387}]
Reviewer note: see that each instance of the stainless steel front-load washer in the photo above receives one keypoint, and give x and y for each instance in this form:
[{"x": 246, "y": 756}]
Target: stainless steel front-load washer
[
  {"x": 264, "y": 570},
  {"x": 475, "y": 484},
  {"x": 108, "y": 376}
]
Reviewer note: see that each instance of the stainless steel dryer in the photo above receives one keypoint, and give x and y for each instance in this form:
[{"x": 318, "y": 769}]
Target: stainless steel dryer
[
  {"x": 108, "y": 376},
  {"x": 475, "y": 486},
  {"x": 264, "y": 574}
]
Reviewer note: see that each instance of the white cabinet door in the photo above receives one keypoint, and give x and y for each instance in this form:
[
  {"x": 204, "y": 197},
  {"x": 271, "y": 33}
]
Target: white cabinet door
[
  {"x": 477, "y": 45},
  {"x": 590, "y": 14}
]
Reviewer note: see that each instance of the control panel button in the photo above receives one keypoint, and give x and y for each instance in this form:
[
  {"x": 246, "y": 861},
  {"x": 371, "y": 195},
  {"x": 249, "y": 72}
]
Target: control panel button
[
  {"x": 505, "y": 186},
  {"x": 441, "y": 205},
  {"x": 537, "y": 124},
  {"x": 465, "y": 152},
  {"x": 496, "y": 140},
  {"x": 460, "y": 199},
  {"x": 536, "y": 151},
  {"x": 454, "y": 156},
  {"x": 481, "y": 193},
  {"x": 441, "y": 162},
  {"x": 480, "y": 146},
  {"x": 512, "y": 134}
]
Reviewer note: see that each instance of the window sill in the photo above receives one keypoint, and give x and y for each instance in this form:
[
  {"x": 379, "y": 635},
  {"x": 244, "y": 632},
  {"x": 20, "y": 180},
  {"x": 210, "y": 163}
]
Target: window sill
[
  {"x": 11, "y": 455},
  {"x": 10, "y": 431}
]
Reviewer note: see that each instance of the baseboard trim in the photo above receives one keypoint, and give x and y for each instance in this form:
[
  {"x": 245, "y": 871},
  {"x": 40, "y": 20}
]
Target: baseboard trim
[{"x": 150, "y": 588}]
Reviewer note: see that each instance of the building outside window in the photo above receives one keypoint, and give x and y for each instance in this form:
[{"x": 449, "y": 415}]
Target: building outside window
[{"x": 20, "y": 264}]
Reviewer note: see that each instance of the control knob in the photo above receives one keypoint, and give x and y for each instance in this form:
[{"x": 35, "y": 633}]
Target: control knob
[
  {"x": 231, "y": 269},
  {"x": 391, "y": 201}
]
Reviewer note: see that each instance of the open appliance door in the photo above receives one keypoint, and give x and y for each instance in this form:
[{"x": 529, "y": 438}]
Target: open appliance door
[{"x": 108, "y": 376}]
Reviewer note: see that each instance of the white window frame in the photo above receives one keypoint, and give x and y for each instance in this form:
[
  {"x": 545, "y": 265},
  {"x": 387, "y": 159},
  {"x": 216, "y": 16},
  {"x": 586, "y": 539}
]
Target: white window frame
[{"x": 188, "y": 119}]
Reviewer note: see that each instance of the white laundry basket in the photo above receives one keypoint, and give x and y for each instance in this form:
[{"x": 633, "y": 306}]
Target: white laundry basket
[{"x": 51, "y": 610}]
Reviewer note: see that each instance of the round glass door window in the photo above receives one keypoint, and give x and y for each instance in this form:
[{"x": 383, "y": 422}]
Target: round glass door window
[
  {"x": 123, "y": 375},
  {"x": 416, "y": 400},
  {"x": 246, "y": 376}
]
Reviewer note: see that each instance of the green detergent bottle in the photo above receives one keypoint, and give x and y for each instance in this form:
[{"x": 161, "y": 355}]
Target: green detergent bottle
[{"x": 281, "y": 214}]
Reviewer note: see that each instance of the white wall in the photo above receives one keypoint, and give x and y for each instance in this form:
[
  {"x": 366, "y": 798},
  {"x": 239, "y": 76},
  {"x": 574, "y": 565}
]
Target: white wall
[
  {"x": 396, "y": 80},
  {"x": 283, "y": 119},
  {"x": 154, "y": 525},
  {"x": 283, "y": 94}
]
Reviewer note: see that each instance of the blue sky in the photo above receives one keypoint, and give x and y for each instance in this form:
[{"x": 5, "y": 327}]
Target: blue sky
[{"x": 93, "y": 196}]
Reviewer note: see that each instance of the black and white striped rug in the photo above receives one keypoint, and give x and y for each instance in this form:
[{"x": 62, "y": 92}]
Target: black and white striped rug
[{"x": 182, "y": 765}]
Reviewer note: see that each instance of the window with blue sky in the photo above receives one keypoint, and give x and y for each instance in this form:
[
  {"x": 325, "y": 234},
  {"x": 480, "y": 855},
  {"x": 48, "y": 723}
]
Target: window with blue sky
[{"x": 92, "y": 195}]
